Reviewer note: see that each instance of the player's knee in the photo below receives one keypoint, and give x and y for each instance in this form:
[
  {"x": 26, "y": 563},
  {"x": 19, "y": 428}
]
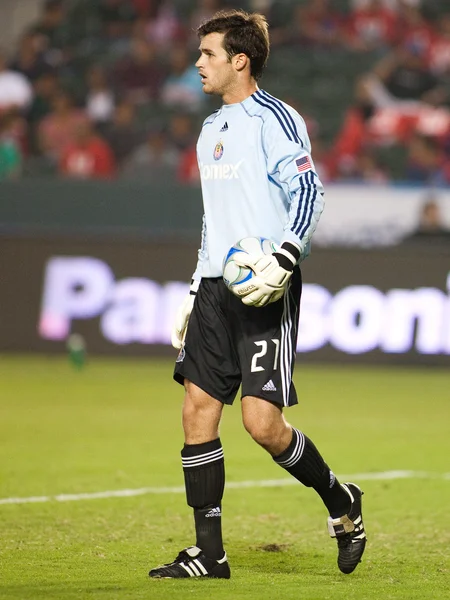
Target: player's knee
[
  {"x": 201, "y": 415},
  {"x": 261, "y": 431},
  {"x": 193, "y": 410},
  {"x": 196, "y": 401}
]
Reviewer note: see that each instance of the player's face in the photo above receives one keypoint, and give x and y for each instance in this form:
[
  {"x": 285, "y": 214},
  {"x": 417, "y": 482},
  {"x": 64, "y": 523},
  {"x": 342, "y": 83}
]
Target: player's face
[{"x": 215, "y": 68}]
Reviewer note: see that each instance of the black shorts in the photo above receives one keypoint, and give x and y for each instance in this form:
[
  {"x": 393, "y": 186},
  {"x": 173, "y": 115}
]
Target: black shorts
[{"x": 228, "y": 344}]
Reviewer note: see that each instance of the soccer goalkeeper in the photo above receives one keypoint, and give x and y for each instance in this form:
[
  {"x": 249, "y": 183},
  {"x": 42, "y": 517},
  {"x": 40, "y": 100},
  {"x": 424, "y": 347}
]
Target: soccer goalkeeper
[{"x": 258, "y": 179}]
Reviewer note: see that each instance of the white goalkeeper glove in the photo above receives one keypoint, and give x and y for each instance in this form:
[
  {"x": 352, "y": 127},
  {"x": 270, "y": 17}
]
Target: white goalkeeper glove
[
  {"x": 182, "y": 317},
  {"x": 271, "y": 275}
]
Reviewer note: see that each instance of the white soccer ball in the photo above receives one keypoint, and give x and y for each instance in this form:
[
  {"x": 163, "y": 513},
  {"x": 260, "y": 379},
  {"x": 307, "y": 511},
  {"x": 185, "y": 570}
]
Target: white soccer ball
[{"x": 234, "y": 274}]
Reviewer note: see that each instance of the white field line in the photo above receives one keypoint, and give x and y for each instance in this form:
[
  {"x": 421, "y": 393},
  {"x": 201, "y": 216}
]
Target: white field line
[{"x": 232, "y": 485}]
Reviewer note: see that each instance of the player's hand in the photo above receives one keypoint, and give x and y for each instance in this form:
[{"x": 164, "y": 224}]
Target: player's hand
[
  {"x": 182, "y": 317},
  {"x": 271, "y": 275}
]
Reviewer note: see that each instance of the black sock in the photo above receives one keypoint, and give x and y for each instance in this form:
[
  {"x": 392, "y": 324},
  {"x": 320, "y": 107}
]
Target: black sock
[
  {"x": 208, "y": 528},
  {"x": 303, "y": 461},
  {"x": 204, "y": 477}
]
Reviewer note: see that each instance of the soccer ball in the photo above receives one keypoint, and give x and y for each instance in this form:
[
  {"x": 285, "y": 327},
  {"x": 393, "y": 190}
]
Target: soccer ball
[{"x": 233, "y": 274}]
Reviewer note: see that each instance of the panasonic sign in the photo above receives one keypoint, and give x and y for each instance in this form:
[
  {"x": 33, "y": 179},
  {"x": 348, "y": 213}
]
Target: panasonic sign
[{"x": 357, "y": 319}]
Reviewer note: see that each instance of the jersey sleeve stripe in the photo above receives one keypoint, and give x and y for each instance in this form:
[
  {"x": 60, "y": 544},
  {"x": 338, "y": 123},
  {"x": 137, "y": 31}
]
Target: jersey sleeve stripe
[
  {"x": 310, "y": 212},
  {"x": 289, "y": 117},
  {"x": 275, "y": 113},
  {"x": 307, "y": 196},
  {"x": 279, "y": 109},
  {"x": 303, "y": 198}
]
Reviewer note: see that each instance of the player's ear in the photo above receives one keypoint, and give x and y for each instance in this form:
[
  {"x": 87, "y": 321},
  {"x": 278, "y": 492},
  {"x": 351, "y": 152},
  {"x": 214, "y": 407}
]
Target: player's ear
[{"x": 241, "y": 61}]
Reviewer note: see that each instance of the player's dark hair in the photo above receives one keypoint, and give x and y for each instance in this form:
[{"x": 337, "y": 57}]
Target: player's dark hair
[{"x": 245, "y": 33}]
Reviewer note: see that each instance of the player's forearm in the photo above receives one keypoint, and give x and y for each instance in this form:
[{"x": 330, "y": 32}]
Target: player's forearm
[
  {"x": 202, "y": 253},
  {"x": 304, "y": 213}
]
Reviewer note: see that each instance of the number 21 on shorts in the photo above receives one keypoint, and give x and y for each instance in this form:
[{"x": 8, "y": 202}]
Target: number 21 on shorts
[{"x": 264, "y": 347}]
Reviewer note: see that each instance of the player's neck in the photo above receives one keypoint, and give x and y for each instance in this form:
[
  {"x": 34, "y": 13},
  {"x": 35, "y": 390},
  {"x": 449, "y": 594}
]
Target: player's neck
[{"x": 239, "y": 93}]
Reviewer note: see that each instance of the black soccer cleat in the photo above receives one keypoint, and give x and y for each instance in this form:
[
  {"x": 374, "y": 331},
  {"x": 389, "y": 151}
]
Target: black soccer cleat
[
  {"x": 191, "y": 562},
  {"x": 349, "y": 531}
]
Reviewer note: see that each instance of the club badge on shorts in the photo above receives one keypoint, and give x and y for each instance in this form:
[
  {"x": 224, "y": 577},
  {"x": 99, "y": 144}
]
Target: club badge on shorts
[
  {"x": 218, "y": 151},
  {"x": 181, "y": 355}
]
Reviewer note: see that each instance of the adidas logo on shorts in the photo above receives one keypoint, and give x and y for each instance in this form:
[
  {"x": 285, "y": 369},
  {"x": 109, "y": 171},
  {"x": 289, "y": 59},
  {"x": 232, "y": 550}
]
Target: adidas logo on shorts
[{"x": 269, "y": 387}]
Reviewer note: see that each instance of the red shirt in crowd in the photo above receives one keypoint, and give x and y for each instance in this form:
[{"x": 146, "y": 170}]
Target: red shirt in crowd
[
  {"x": 188, "y": 167},
  {"x": 417, "y": 38},
  {"x": 439, "y": 55},
  {"x": 372, "y": 27},
  {"x": 90, "y": 160}
]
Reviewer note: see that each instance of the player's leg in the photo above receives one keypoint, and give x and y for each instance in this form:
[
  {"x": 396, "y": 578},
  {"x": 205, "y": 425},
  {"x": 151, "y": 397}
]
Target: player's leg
[
  {"x": 208, "y": 370},
  {"x": 204, "y": 476},
  {"x": 295, "y": 452},
  {"x": 267, "y": 364},
  {"x": 203, "y": 467}
]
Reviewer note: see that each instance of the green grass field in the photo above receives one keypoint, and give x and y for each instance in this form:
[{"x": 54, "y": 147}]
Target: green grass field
[{"x": 116, "y": 426}]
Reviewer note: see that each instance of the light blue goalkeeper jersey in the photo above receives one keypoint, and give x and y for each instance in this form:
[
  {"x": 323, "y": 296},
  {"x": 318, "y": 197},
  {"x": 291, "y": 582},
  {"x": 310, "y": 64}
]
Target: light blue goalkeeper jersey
[{"x": 257, "y": 177}]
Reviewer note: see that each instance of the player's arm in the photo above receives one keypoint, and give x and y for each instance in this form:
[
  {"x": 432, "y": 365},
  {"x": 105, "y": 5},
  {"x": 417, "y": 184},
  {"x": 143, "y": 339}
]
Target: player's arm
[
  {"x": 290, "y": 165},
  {"x": 306, "y": 204},
  {"x": 180, "y": 325},
  {"x": 271, "y": 274}
]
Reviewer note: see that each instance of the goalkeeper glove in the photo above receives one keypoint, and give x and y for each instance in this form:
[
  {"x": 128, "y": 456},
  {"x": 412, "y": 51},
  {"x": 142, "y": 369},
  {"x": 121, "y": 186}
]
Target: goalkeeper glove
[
  {"x": 182, "y": 317},
  {"x": 271, "y": 275}
]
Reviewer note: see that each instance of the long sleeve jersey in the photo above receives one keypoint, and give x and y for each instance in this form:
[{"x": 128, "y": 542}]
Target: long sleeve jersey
[{"x": 257, "y": 178}]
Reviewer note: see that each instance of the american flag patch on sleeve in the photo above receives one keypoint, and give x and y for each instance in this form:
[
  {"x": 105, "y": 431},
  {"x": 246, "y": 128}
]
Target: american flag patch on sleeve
[{"x": 303, "y": 164}]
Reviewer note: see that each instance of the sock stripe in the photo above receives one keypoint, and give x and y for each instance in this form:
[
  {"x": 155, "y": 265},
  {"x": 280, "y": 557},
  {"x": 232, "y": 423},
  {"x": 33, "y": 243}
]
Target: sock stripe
[
  {"x": 297, "y": 451},
  {"x": 296, "y": 456},
  {"x": 202, "y": 459}
]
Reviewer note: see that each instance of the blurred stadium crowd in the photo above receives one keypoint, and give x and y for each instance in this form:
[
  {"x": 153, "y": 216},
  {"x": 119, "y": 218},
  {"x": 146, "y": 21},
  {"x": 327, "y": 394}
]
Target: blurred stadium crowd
[{"x": 108, "y": 88}]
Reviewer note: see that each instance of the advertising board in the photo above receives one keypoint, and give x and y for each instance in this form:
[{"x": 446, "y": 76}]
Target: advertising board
[{"x": 384, "y": 305}]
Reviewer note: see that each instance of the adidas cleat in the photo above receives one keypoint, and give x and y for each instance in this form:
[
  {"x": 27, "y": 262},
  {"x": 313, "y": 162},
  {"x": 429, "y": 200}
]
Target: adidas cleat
[
  {"x": 349, "y": 531},
  {"x": 191, "y": 562}
]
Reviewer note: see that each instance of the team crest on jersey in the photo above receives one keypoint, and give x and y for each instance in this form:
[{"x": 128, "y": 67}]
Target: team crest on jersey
[{"x": 218, "y": 151}]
